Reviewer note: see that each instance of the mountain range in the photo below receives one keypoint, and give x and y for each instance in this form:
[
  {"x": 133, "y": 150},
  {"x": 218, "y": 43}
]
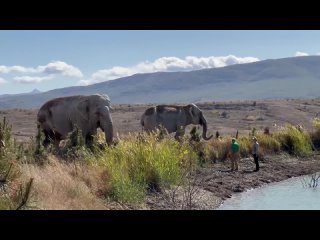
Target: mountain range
[{"x": 295, "y": 77}]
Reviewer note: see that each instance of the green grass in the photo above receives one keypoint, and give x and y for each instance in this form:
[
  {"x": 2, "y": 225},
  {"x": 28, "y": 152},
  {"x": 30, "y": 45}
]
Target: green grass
[
  {"x": 141, "y": 162},
  {"x": 268, "y": 144},
  {"x": 295, "y": 141},
  {"x": 315, "y": 135},
  {"x": 8, "y": 154}
]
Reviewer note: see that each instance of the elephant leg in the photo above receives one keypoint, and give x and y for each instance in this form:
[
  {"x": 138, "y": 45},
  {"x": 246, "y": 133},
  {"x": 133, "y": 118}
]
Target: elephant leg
[
  {"x": 57, "y": 139},
  {"x": 47, "y": 140},
  {"x": 89, "y": 139},
  {"x": 179, "y": 133}
]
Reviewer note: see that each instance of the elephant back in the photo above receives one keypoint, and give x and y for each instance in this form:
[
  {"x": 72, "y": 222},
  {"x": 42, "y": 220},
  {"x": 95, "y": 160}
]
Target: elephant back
[
  {"x": 150, "y": 111},
  {"x": 166, "y": 108}
]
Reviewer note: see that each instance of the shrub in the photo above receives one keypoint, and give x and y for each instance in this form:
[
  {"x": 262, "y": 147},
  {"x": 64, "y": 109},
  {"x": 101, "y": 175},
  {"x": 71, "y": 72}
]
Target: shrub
[
  {"x": 294, "y": 141},
  {"x": 217, "y": 149},
  {"x": 315, "y": 135},
  {"x": 74, "y": 147},
  {"x": 245, "y": 146},
  {"x": 268, "y": 144},
  {"x": 141, "y": 162},
  {"x": 7, "y": 153}
]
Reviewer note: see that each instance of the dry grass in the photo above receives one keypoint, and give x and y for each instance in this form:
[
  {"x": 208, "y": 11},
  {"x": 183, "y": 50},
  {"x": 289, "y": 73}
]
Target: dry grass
[{"x": 59, "y": 185}]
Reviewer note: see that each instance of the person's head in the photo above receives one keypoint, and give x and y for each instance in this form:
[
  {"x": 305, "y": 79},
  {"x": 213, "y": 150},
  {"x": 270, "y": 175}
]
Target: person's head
[
  {"x": 254, "y": 139},
  {"x": 233, "y": 140}
]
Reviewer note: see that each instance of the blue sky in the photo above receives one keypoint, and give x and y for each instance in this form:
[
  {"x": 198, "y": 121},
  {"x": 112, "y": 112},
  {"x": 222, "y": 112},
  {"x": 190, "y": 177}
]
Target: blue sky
[{"x": 55, "y": 59}]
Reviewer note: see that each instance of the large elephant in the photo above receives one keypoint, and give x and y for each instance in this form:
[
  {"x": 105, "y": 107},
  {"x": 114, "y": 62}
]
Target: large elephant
[
  {"x": 58, "y": 116},
  {"x": 174, "y": 119}
]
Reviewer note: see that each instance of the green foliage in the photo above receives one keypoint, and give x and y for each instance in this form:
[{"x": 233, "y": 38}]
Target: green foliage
[
  {"x": 315, "y": 135},
  {"x": 74, "y": 147},
  {"x": 268, "y": 143},
  {"x": 245, "y": 146},
  {"x": 36, "y": 149},
  {"x": 75, "y": 138},
  {"x": 8, "y": 152},
  {"x": 197, "y": 145},
  {"x": 294, "y": 141},
  {"x": 253, "y": 131},
  {"x": 5, "y": 133},
  {"x": 9, "y": 170},
  {"x": 141, "y": 163}
]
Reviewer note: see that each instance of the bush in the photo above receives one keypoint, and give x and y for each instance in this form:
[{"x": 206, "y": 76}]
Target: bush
[
  {"x": 294, "y": 141},
  {"x": 315, "y": 135},
  {"x": 245, "y": 146},
  {"x": 141, "y": 163},
  {"x": 74, "y": 147},
  {"x": 8, "y": 152},
  {"x": 217, "y": 149},
  {"x": 268, "y": 144}
]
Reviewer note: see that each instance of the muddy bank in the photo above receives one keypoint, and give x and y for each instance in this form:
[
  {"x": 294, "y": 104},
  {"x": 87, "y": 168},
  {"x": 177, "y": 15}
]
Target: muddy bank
[{"x": 214, "y": 183}]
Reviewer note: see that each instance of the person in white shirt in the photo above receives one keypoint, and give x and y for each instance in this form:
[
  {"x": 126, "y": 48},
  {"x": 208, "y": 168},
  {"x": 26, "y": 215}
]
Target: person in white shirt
[{"x": 255, "y": 153}]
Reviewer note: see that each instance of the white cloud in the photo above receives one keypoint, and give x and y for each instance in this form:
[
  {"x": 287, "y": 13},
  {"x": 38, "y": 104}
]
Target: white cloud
[
  {"x": 167, "y": 64},
  {"x": 16, "y": 69},
  {"x": 28, "y": 79},
  {"x": 56, "y": 67},
  {"x": 2, "y": 81},
  {"x": 59, "y": 67},
  {"x": 300, "y": 54}
]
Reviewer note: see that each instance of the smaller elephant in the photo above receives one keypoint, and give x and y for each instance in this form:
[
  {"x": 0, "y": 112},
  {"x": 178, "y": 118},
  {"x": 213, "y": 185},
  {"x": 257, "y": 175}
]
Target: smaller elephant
[
  {"x": 58, "y": 117},
  {"x": 174, "y": 118}
]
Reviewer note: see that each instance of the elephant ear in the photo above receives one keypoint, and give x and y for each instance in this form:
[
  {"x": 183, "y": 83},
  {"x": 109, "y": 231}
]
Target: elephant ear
[{"x": 84, "y": 109}]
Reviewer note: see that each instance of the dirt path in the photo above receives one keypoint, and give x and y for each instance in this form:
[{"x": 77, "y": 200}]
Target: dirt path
[{"x": 215, "y": 183}]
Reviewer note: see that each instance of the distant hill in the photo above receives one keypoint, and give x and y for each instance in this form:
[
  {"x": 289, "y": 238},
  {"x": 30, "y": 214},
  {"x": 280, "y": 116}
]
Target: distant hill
[
  {"x": 296, "y": 77},
  {"x": 34, "y": 91}
]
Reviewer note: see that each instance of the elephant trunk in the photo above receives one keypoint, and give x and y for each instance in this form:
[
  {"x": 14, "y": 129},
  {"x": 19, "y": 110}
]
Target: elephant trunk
[
  {"x": 203, "y": 122},
  {"x": 107, "y": 126},
  {"x": 108, "y": 130}
]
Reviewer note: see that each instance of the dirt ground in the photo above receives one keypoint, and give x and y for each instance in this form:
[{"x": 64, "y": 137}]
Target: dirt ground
[
  {"x": 225, "y": 117},
  {"x": 215, "y": 183}
]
